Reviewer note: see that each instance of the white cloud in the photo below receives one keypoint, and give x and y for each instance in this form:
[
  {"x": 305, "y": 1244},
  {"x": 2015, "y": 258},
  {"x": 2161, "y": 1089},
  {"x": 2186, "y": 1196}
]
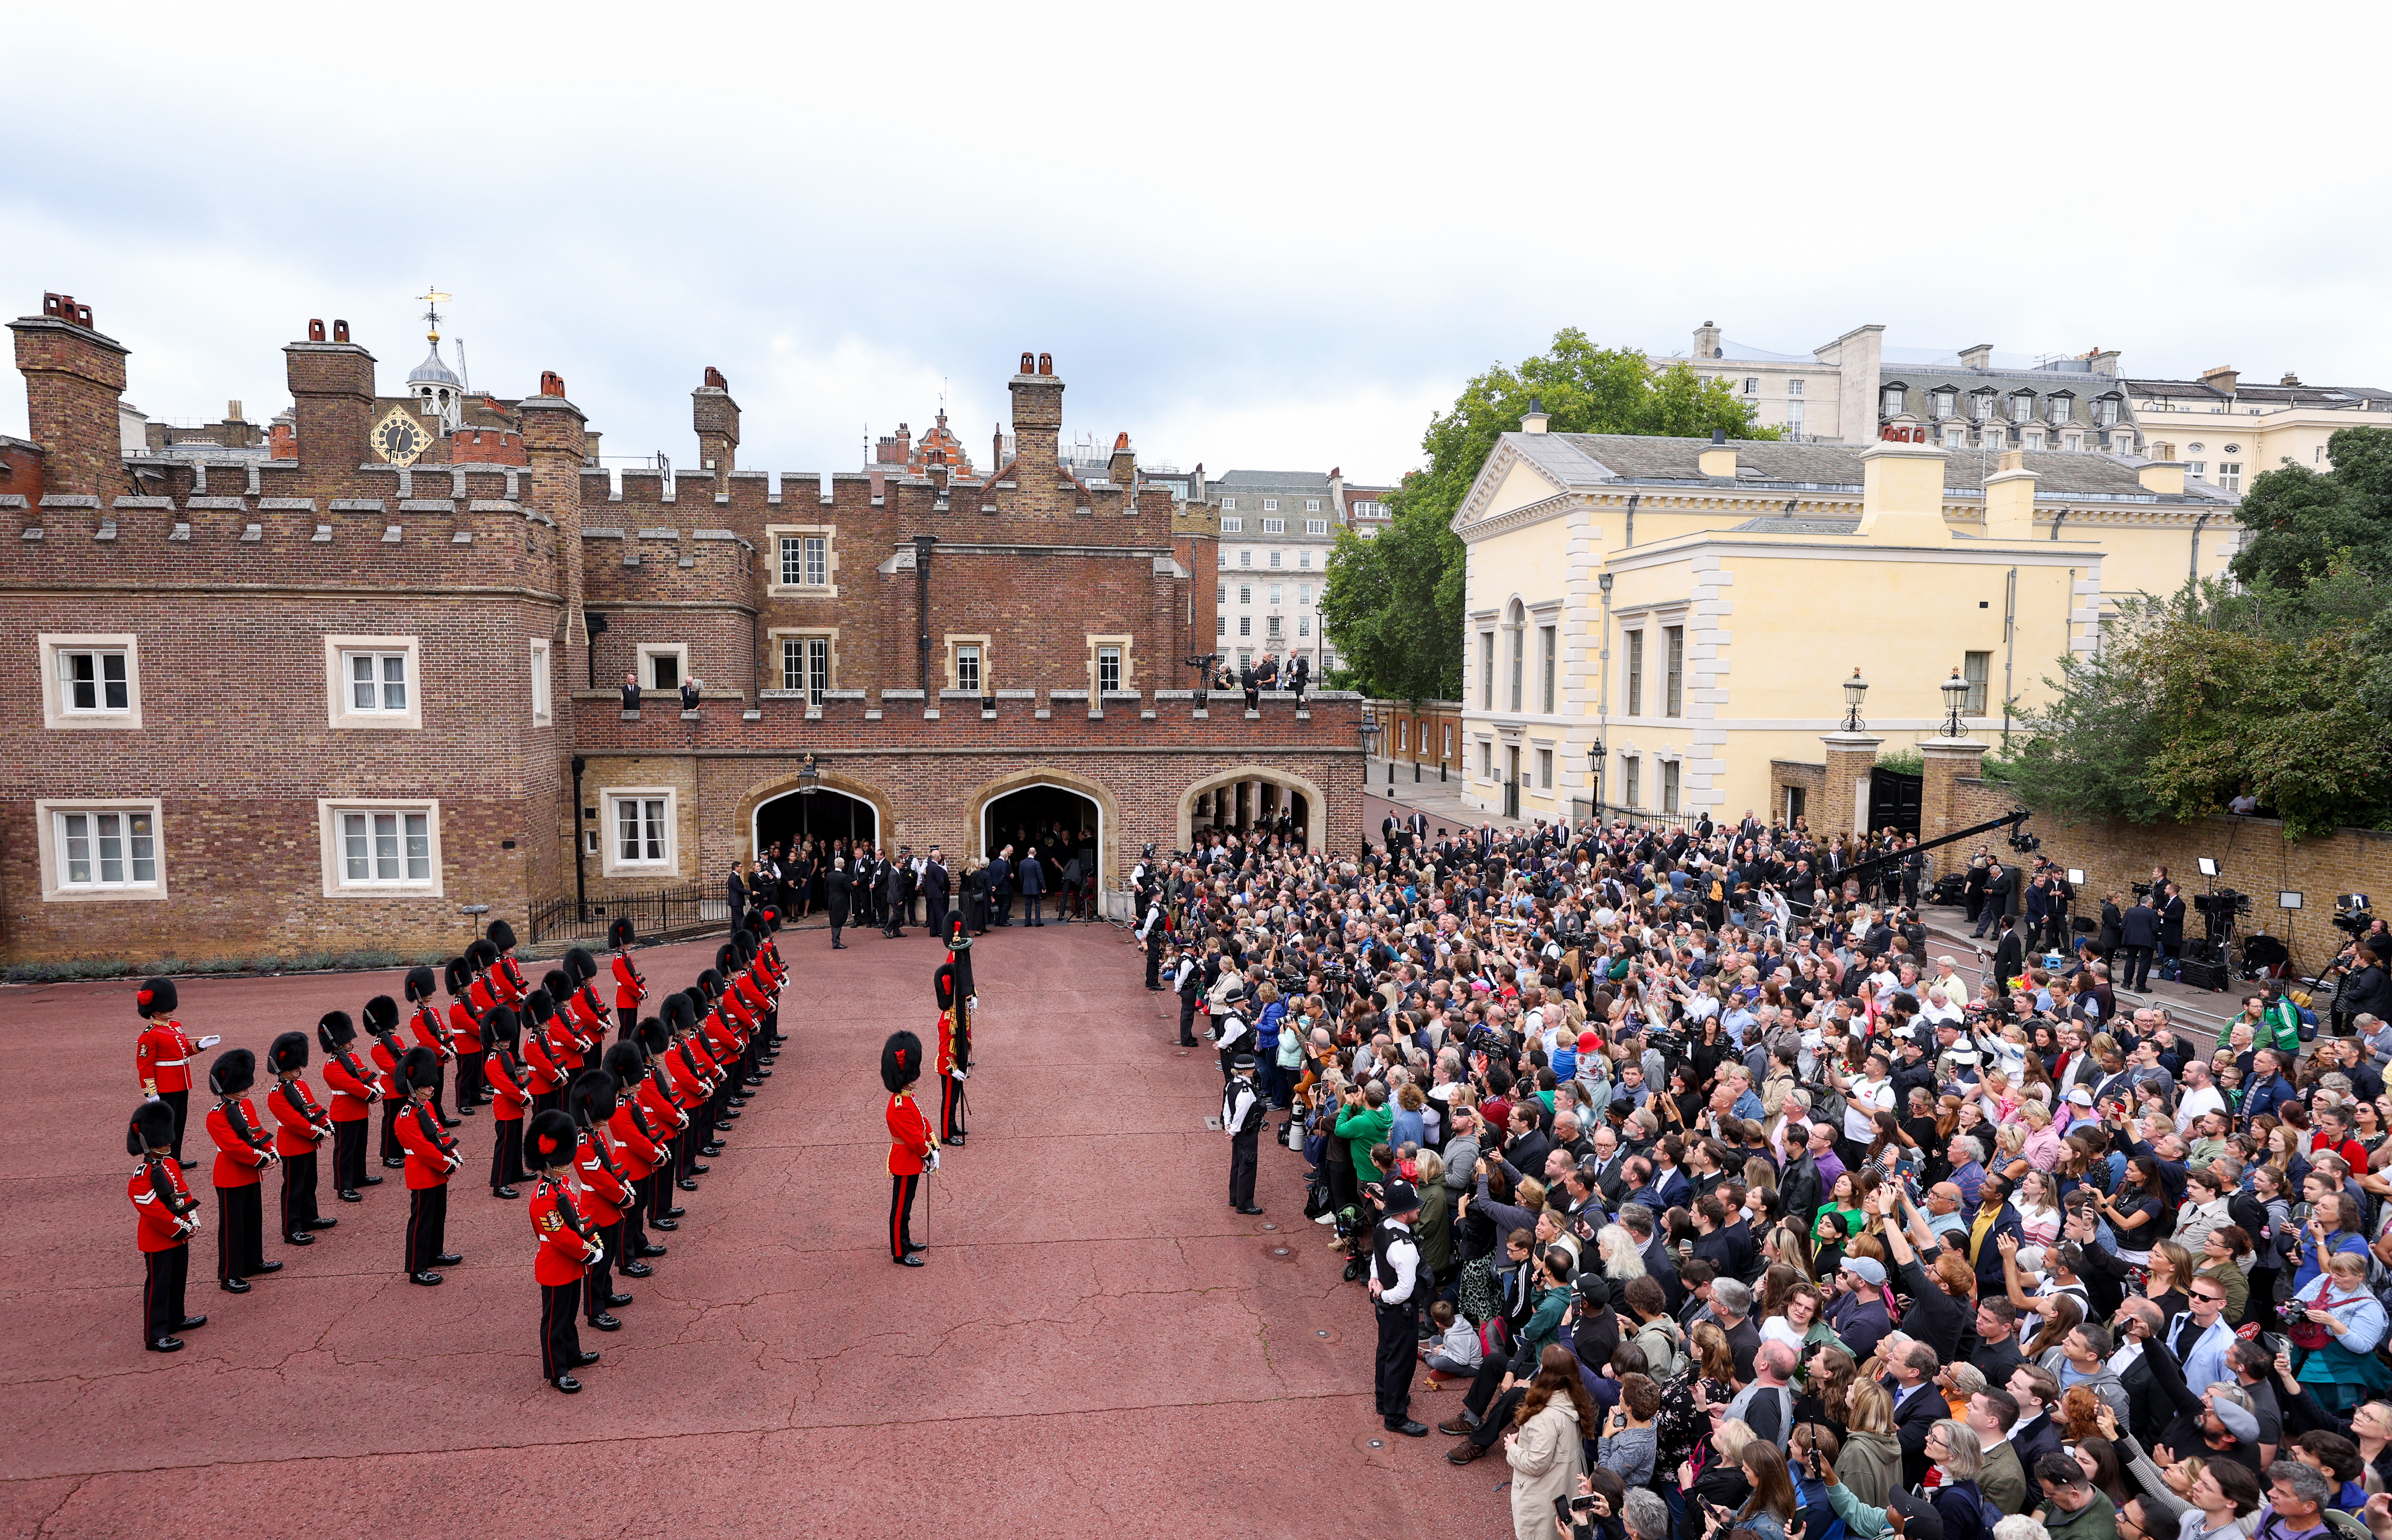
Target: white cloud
[{"x": 1257, "y": 235}]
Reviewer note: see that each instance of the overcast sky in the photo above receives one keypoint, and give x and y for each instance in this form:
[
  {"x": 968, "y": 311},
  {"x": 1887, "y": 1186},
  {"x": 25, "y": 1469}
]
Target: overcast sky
[{"x": 1260, "y": 236}]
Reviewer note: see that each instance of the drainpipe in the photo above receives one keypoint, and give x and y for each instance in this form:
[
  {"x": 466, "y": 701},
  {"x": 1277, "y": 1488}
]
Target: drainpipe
[
  {"x": 2056, "y": 520},
  {"x": 2193, "y": 576},
  {"x": 580, "y": 883},
  {"x": 2010, "y": 645},
  {"x": 1631, "y": 517},
  {"x": 922, "y": 544}
]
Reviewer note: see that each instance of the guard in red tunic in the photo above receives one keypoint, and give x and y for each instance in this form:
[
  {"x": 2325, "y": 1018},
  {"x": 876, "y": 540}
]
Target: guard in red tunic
[
  {"x": 641, "y": 1133},
  {"x": 507, "y": 981},
  {"x": 465, "y": 1034},
  {"x": 510, "y": 1085},
  {"x": 548, "y": 1057},
  {"x": 572, "y": 1019},
  {"x": 912, "y": 1151},
  {"x": 484, "y": 993},
  {"x": 167, "y": 1216},
  {"x": 566, "y": 1247},
  {"x": 243, "y": 1150},
  {"x": 630, "y": 989},
  {"x": 604, "y": 1192},
  {"x": 589, "y": 1006},
  {"x": 381, "y": 1025},
  {"x": 432, "y": 1157},
  {"x": 163, "y": 1054},
  {"x": 955, "y": 1044},
  {"x": 693, "y": 1077},
  {"x": 661, "y": 1094},
  {"x": 355, "y": 1087},
  {"x": 430, "y": 1031},
  {"x": 302, "y": 1126}
]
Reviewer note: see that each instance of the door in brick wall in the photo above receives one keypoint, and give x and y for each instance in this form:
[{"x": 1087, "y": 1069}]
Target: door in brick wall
[{"x": 1894, "y": 800}]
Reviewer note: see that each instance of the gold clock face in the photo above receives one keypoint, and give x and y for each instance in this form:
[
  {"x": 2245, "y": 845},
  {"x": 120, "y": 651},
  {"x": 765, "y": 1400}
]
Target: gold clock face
[{"x": 399, "y": 438}]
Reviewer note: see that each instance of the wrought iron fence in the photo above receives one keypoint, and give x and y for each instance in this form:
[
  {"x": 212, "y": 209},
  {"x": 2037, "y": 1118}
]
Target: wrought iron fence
[
  {"x": 1641, "y": 815},
  {"x": 690, "y": 908}
]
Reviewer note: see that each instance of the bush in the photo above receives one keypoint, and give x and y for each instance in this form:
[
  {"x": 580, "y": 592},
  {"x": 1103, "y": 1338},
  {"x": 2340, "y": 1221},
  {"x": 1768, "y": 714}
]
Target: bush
[{"x": 371, "y": 959}]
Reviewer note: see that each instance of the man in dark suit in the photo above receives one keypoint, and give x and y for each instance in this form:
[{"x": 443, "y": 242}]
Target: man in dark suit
[
  {"x": 934, "y": 893},
  {"x": 2171, "y": 911},
  {"x": 1918, "y": 1406},
  {"x": 736, "y": 890},
  {"x": 896, "y": 893},
  {"x": 1999, "y": 880},
  {"x": 2009, "y": 955},
  {"x": 1000, "y": 874},
  {"x": 1033, "y": 886},
  {"x": 1300, "y": 677},
  {"x": 837, "y": 890},
  {"x": 1247, "y": 682},
  {"x": 2138, "y": 938}
]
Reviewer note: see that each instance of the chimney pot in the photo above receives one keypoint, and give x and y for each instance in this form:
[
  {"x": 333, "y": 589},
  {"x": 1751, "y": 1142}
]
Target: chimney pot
[
  {"x": 1028, "y": 364},
  {"x": 1045, "y": 363},
  {"x": 339, "y": 331},
  {"x": 315, "y": 331},
  {"x": 1121, "y": 440},
  {"x": 551, "y": 382},
  {"x": 714, "y": 378},
  {"x": 232, "y": 412},
  {"x": 1978, "y": 357}
]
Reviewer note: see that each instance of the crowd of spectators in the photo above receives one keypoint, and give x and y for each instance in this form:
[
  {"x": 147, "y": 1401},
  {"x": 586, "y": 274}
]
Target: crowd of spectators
[{"x": 1752, "y": 1219}]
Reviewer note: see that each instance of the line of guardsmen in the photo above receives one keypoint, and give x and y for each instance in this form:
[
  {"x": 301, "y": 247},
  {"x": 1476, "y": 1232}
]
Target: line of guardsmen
[{"x": 604, "y": 1135}]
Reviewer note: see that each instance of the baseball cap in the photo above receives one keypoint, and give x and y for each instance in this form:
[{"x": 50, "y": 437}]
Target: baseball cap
[
  {"x": 2236, "y": 1420},
  {"x": 2080, "y": 1097},
  {"x": 1868, "y": 1269}
]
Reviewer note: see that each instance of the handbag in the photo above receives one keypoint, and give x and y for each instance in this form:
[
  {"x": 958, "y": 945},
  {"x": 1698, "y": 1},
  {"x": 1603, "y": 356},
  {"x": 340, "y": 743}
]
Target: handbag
[{"x": 2308, "y": 1335}]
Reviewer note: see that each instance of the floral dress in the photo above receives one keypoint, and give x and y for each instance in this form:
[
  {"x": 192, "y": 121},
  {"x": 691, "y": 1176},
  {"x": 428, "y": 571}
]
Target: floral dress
[{"x": 1680, "y": 1425}]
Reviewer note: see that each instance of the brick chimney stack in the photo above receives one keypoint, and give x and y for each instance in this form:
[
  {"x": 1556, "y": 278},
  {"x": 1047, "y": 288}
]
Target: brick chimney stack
[
  {"x": 74, "y": 378},
  {"x": 1037, "y": 421},
  {"x": 716, "y": 417},
  {"x": 556, "y": 448},
  {"x": 1123, "y": 468},
  {"x": 332, "y": 398}
]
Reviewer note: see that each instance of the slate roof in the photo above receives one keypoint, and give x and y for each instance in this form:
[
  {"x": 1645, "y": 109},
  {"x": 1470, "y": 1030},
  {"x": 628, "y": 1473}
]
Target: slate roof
[
  {"x": 2262, "y": 395},
  {"x": 1313, "y": 482},
  {"x": 1588, "y": 460}
]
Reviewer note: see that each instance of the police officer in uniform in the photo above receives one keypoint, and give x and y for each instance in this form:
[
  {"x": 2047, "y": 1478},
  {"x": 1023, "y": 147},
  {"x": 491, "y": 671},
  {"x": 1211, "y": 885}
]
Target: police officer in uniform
[
  {"x": 1395, "y": 1288},
  {"x": 1151, "y": 931},
  {"x": 1188, "y": 980},
  {"x": 1229, "y": 1029},
  {"x": 1241, "y": 1120}
]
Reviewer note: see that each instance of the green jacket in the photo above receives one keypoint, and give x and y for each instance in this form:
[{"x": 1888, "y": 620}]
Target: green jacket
[
  {"x": 2096, "y": 1521},
  {"x": 1543, "y": 1329},
  {"x": 1362, "y": 1128},
  {"x": 1433, "y": 1225}
]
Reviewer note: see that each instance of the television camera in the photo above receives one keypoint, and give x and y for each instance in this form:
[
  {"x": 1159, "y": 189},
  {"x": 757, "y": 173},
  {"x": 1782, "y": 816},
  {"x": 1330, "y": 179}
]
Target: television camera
[{"x": 2353, "y": 913}]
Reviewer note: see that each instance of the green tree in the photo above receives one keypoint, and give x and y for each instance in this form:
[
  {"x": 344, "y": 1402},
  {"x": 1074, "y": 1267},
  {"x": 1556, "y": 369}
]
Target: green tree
[
  {"x": 1393, "y": 606},
  {"x": 2303, "y": 521}
]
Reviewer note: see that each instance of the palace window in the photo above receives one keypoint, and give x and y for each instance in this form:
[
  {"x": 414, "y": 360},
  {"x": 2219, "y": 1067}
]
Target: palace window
[
  {"x": 805, "y": 561},
  {"x": 1976, "y": 668},
  {"x": 1313, "y": 526},
  {"x": 641, "y": 829},
  {"x": 1274, "y": 526},
  {"x": 968, "y": 670},
  {"x": 1109, "y": 669},
  {"x": 1674, "y": 697},
  {"x": 99, "y": 850},
  {"x": 91, "y": 681},
  {"x": 1233, "y": 527},
  {"x": 542, "y": 710},
  {"x": 372, "y": 681},
  {"x": 1636, "y": 680}
]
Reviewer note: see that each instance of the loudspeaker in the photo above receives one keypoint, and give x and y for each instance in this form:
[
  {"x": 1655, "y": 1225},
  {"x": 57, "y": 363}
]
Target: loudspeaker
[{"x": 2206, "y": 976}]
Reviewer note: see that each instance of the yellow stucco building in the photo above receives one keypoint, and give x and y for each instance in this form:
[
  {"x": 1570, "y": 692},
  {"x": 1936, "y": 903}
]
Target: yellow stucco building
[{"x": 1698, "y": 606}]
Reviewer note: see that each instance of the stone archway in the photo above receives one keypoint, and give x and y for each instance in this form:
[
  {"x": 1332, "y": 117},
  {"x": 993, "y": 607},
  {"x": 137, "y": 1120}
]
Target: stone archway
[
  {"x": 1316, "y": 805},
  {"x": 1108, "y": 812},
  {"x": 830, "y": 779}
]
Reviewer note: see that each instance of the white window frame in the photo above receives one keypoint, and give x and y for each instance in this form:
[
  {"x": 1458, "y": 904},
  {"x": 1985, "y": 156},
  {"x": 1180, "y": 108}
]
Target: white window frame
[
  {"x": 1270, "y": 505},
  {"x": 57, "y": 712},
  {"x": 828, "y": 536},
  {"x": 1123, "y": 677},
  {"x": 49, "y": 846},
  {"x": 1109, "y": 652},
  {"x": 609, "y": 820},
  {"x": 1793, "y": 387},
  {"x": 544, "y": 683},
  {"x": 336, "y": 681},
  {"x": 1228, "y": 504},
  {"x": 1304, "y": 559},
  {"x": 955, "y": 645},
  {"x": 1274, "y": 526},
  {"x": 1246, "y": 558},
  {"x": 1313, "y": 526},
  {"x": 337, "y": 884},
  {"x": 1304, "y": 625},
  {"x": 651, "y": 650},
  {"x": 1245, "y": 625},
  {"x": 827, "y": 636},
  {"x": 1312, "y": 505},
  {"x": 1245, "y": 593},
  {"x": 1233, "y": 527}
]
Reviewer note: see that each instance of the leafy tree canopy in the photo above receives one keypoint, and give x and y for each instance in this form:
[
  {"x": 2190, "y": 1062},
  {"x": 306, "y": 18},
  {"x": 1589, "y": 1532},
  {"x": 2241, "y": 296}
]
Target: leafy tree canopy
[
  {"x": 2303, "y": 521},
  {"x": 1393, "y": 606}
]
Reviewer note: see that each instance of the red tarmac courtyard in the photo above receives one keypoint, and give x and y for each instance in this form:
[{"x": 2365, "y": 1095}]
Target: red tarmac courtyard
[{"x": 1097, "y": 1347}]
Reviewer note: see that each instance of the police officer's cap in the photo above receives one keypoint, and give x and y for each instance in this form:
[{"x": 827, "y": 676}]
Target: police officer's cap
[
  {"x": 1402, "y": 1199},
  {"x": 1242, "y": 1063}
]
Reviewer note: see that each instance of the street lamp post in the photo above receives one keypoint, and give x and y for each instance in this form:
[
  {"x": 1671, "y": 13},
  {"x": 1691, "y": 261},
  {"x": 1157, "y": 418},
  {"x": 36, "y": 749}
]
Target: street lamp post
[
  {"x": 1955, "y": 691},
  {"x": 1594, "y": 780},
  {"x": 1856, "y": 690},
  {"x": 809, "y": 782}
]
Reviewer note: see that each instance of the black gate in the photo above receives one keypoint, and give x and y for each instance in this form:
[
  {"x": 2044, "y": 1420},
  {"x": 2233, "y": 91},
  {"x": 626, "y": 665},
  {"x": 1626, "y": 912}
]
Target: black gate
[
  {"x": 1512, "y": 799},
  {"x": 1894, "y": 800}
]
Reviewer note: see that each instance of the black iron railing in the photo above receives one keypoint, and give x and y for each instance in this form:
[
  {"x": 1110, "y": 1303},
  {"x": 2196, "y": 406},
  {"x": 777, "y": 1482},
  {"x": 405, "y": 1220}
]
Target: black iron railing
[{"x": 657, "y": 915}]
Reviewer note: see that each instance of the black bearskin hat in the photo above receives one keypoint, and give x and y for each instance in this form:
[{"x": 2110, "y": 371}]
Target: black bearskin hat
[
  {"x": 459, "y": 977},
  {"x": 655, "y": 1036},
  {"x": 958, "y": 934},
  {"x": 593, "y": 1097},
  {"x": 335, "y": 1029},
  {"x": 549, "y": 1138},
  {"x": 538, "y": 1007},
  {"x": 152, "y": 1124},
  {"x": 772, "y": 919},
  {"x": 503, "y": 1025},
  {"x": 901, "y": 1061},
  {"x": 710, "y": 984},
  {"x": 155, "y": 997},
  {"x": 943, "y": 986},
  {"x": 382, "y": 1014},
  {"x": 620, "y": 935},
  {"x": 679, "y": 1014},
  {"x": 580, "y": 964},
  {"x": 627, "y": 1062},
  {"x": 749, "y": 945},
  {"x": 418, "y": 1069},
  {"x": 290, "y": 1052},
  {"x": 480, "y": 955},
  {"x": 234, "y": 1072},
  {"x": 501, "y": 934},
  {"x": 726, "y": 960},
  {"x": 559, "y": 984},
  {"x": 699, "y": 1004},
  {"x": 420, "y": 982}
]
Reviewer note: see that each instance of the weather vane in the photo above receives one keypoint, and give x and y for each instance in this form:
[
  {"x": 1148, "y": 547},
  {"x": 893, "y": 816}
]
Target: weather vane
[{"x": 432, "y": 298}]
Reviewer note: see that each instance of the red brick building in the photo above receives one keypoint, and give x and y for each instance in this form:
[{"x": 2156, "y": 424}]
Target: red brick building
[{"x": 321, "y": 700}]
